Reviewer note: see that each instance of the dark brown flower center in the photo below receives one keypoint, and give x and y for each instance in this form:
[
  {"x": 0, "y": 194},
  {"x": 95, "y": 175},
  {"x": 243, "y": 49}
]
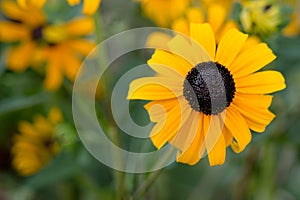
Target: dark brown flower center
[
  {"x": 209, "y": 88},
  {"x": 37, "y": 33}
]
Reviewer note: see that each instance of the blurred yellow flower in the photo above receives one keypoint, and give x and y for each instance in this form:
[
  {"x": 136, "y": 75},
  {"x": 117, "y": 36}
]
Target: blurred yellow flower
[
  {"x": 89, "y": 6},
  {"x": 65, "y": 50},
  {"x": 260, "y": 18},
  {"x": 206, "y": 97},
  {"x": 60, "y": 47},
  {"x": 163, "y": 12},
  {"x": 36, "y": 143},
  {"x": 25, "y": 27},
  {"x": 215, "y": 14}
]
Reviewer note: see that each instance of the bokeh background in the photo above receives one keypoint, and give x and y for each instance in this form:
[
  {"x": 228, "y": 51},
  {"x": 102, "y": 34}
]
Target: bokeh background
[{"x": 50, "y": 162}]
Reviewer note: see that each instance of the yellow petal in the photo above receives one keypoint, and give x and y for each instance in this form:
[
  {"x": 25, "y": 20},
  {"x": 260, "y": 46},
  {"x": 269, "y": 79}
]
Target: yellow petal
[
  {"x": 158, "y": 40},
  {"x": 204, "y": 35},
  {"x": 73, "y": 2},
  {"x": 216, "y": 15},
  {"x": 54, "y": 75},
  {"x": 161, "y": 60},
  {"x": 31, "y": 3},
  {"x": 82, "y": 46},
  {"x": 80, "y": 26},
  {"x": 11, "y": 32},
  {"x": 251, "y": 60},
  {"x": 260, "y": 101},
  {"x": 214, "y": 140},
  {"x": 195, "y": 149},
  {"x": 239, "y": 129},
  {"x": 159, "y": 108},
  {"x": 55, "y": 115},
  {"x": 260, "y": 83},
  {"x": 32, "y": 16},
  {"x": 90, "y": 6},
  {"x": 176, "y": 118},
  {"x": 256, "y": 118},
  {"x": 70, "y": 65},
  {"x": 19, "y": 58},
  {"x": 228, "y": 25},
  {"x": 195, "y": 15},
  {"x": 191, "y": 51},
  {"x": 155, "y": 88},
  {"x": 181, "y": 25},
  {"x": 251, "y": 41},
  {"x": 229, "y": 46},
  {"x": 185, "y": 136},
  {"x": 227, "y": 136}
]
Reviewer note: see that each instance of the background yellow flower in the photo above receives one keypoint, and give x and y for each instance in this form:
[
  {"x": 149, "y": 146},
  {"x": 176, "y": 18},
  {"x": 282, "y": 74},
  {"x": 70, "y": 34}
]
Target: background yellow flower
[{"x": 36, "y": 143}]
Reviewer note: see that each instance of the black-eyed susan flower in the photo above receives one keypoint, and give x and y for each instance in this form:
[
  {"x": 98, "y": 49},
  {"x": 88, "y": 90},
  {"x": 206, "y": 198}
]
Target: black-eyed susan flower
[
  {"x": 24, "y": 27},
  {"x": 260, "y": 18},
  {"x": 89, "y": 6},
  {"x": 66, "y": 50},
  {"x": 163, "y": 12},
  {"x": 205, "y": 97},
  {"x": 36, "y": 144},
  {"x": 56, "y": 48}
]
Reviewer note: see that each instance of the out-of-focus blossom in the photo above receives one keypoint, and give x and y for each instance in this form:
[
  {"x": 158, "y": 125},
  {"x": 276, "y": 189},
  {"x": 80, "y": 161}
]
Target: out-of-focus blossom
[
  {"x": 36, "y": 143},
  {"x": 215, "y": 14},
  {"x": 261, "y": 18},
  {"x": 60, "y": 48},
  {"x": 163, "y": 12}
]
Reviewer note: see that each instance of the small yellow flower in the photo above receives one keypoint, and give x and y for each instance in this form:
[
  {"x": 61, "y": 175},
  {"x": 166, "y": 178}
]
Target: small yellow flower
[
  {"x": 163, "y": 12},
  {"x": 60, "y": 47},
  {"x": 36, "y": 143},
  {"x": 200, "y": 86},
  {"x": 260, "y": 18}
]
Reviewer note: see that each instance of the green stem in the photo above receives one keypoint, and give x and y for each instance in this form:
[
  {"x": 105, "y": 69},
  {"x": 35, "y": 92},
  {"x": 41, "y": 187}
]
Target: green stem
[
  {"x": 144, "y": 187},
  {"x": 113, "y": 132}
]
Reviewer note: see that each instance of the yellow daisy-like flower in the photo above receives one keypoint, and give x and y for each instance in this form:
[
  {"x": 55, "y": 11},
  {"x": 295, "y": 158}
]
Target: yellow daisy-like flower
[
  {"x": 89, "y": 6},
  {"x": 65, "y": 50},
  {"x": 163, "y": 12},
  {"x": 206, "y": 97},
  {"x": 260, "y": 18},
  {"x": 61, "y": 47},
  {"x": 25, "y": 27},
  {"x": 36, "y": 143}
]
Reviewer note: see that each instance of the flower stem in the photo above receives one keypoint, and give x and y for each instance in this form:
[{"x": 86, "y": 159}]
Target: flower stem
[
  {"x": 144, "y": 187},
  {"x": 112, "y": 131}
]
